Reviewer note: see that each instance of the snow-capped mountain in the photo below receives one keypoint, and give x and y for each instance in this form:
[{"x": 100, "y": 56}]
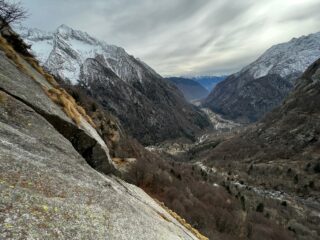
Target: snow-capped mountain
[
  {"x": 259, "y": 87},
  {"x": 287, "y": 58},
  {"x": 65, "y": 51},
  {"x": 150, "y": 108}
]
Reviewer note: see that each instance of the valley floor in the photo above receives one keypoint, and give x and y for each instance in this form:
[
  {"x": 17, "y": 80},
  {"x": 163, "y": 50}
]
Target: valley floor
[{"x": 299, "y": 213}]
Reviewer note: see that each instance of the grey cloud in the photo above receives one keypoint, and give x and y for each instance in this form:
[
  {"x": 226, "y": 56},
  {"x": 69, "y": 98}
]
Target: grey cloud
[
  {"x": 184, "y": 37},
  {"x": 306, "y": 12}
]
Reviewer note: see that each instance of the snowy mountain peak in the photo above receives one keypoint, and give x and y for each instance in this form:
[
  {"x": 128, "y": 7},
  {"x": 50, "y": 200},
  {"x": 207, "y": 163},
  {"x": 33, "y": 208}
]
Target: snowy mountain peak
[
  {"x": 65, "y": 50},
  {"x": 33, "y": 33},
  {"x": 64, "y": 29},
  {"x": 261, "y": 86},
  {"x": 286, "y": 58},
  {"x": 67, "y": 32}
]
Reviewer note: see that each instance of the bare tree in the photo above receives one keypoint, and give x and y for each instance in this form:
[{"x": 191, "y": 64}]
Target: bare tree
[{"x": 11, "y": 13}]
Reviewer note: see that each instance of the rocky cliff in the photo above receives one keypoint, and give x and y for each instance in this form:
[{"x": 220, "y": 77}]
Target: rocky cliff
[
  {"x": 149, "y": 107},
  {"x": 54, "y": 166},
  {"x": 261, "y": 86}
]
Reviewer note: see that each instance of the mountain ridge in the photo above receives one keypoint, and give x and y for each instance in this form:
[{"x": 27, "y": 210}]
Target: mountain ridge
[{"x": 248, "y": 95}]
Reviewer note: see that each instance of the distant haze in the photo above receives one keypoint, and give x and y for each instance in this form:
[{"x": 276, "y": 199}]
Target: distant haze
[{"x": 184, "y": 37}]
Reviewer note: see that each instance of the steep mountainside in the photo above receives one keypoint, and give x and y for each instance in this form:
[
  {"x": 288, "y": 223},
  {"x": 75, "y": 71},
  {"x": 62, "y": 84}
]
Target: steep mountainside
[
  {"x": 209, "y": 82},
  {"x": 191, "y": 89},
  {"x": 281, "y": 157},
  {"x": 149, "y": 107},
  {"x": 54, "y": 166},
  {"x": 247, "y": 95}
]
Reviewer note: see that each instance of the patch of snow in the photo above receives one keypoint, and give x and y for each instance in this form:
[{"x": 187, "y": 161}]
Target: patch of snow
[
  {"x": 42, "y": 49},
  {"x": 262, "y": 71},
  {"x": 85, "y": 49},
  {"x": 202, "y": 138},
  {"x": 71, "y": 74},
  {"x": 205, "y": 168}
]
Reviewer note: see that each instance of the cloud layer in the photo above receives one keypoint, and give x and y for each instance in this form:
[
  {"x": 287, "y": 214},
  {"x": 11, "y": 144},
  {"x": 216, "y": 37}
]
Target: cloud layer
[{"x": 184, "y": 37}]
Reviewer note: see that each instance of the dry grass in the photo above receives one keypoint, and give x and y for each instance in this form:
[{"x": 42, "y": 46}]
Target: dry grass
[
  {"x": 10, "y": 52},
  {"x": 59, "y": 97},
  {"x": 183, "y": 222},
  {"x": 3, "y": 97},
  {"x": 119, "y": 161},
  {"x": 68, "y": 104},
  {"x": 57, "y": 94},
  {"x": 35, "y": 64},
  {"x": 84, "y": 114}
]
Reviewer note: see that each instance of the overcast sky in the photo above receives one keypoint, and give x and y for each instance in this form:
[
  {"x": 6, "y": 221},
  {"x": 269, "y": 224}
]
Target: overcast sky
[{"x": 184, "y": 37}]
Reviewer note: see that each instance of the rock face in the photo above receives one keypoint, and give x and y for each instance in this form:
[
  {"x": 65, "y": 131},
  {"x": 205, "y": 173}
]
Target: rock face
[
  {"x": 247, "y": 95},
  {"x": 47, "y": 188},
  {"x": 191, "y": 89},
  {"x": 149, "y": 107},
  {"x": 84, "y": 138}
]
